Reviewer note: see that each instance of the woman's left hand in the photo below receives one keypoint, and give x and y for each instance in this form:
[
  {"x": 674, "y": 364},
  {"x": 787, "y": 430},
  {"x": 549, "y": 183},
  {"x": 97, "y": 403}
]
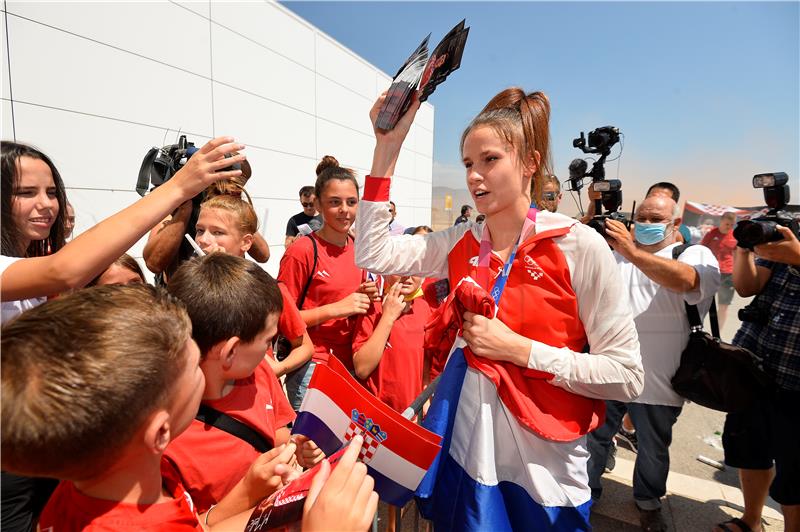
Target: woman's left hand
[{"x": 491, "y": 338}]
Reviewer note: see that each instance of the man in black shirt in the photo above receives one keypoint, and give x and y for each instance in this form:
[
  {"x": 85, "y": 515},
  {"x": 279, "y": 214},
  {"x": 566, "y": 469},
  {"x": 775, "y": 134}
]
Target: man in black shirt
[{"x": 308, "y": 217}]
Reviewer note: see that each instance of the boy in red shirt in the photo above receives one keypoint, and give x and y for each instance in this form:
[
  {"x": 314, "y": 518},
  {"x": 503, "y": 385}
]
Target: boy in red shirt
[
  {"x": 722, "y": 244},
  {"x": 388, "y": 352},
  {"x": 95, "y": 385},
  {"x": 234, "y": 307}
]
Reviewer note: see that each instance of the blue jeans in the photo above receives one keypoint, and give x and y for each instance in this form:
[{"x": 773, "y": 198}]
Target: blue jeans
[
  {"x": 297, "y": 384},
  {"x": 653, "y": 425}
]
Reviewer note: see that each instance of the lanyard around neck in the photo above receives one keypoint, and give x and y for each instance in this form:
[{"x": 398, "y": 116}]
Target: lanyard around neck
[{"x": 486, "y": 252}]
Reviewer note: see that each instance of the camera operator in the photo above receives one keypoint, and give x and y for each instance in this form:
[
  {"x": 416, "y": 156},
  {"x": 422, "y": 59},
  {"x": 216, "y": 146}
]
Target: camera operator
[
  {"x": 166, "y": 247},
  {"x": 768, "y": 432},
  {"x": 658, "y": 286}
]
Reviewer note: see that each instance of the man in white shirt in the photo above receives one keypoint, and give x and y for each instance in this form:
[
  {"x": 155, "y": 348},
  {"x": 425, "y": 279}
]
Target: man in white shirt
[{"x": 658, "y": 287}]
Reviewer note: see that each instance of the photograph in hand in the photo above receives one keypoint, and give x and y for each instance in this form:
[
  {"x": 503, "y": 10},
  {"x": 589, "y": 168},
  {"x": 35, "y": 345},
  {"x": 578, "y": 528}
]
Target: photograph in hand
[{"x": 423, "y": 73}]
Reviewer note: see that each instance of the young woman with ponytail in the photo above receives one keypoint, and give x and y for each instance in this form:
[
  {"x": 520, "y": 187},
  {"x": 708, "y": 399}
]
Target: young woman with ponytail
[
  {"x": 530, "y": 382},
  {"x": 320, "y": 272}
]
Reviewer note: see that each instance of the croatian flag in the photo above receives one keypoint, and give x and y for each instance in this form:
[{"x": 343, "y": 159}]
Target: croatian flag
[
  {"x": 396, "y": 451},
  {"x": 493, "y": 472}
]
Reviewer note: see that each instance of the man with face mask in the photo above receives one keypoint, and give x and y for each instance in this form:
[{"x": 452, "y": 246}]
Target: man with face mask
[{"x": 658, "y": 287}]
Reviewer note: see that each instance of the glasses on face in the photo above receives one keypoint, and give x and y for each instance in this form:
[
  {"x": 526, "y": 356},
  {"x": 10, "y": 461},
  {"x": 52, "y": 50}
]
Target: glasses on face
[{"x": 307, "y": 204}]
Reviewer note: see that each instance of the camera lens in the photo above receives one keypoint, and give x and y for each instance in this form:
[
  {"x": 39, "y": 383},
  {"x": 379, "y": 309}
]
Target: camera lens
[
  {"x": 749, "y": 233},
  {"x": 599, "y": 225}
]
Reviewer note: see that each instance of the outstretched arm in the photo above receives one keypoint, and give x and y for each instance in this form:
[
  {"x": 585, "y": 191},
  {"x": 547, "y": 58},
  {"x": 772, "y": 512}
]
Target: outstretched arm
[
  {"x": 82, "y": 259},
  {"x": 378, "y": 251}
]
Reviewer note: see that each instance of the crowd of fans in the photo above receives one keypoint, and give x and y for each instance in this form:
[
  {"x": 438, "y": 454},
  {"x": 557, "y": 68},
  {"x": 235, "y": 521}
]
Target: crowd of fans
[{"x": 108, "y": 383}]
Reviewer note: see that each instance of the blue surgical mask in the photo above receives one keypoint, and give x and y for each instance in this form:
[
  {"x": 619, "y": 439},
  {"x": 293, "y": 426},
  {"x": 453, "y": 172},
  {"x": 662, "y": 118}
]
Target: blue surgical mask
[{"x": 649, "y": 234}]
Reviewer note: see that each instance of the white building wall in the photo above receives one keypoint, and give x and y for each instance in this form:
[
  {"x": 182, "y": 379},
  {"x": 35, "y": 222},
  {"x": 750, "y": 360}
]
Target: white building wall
[{"x": 96, "y": 84}]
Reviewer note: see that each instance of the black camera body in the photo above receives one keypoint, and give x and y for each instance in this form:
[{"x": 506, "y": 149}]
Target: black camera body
[
  {"x": 750, "y": 233},
  {"x": 160, "y": 164},
  {"x": 754, "y": 313},
  {"x": 600, "y": 141}
]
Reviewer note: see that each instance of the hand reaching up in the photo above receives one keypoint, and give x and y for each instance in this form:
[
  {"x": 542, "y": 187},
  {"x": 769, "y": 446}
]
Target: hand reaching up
[{"x": 204, "y": 167}]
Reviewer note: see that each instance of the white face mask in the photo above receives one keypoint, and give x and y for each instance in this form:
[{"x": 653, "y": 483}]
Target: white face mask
[{"x": 648, "y": 234}]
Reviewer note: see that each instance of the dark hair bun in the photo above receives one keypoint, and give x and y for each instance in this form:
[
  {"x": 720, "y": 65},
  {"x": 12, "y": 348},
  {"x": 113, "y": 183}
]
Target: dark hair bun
[{"x": 329, "y": 161}]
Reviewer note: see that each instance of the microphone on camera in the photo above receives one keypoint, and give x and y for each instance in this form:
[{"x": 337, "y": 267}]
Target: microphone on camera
[{"x": 577, "y": 171}]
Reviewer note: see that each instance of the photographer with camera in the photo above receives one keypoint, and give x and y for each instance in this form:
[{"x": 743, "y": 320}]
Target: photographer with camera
[
  {"x": 166, "y": 247},
  {"x": 766, "y": 264},
  {"x": 658, "y": 286}
]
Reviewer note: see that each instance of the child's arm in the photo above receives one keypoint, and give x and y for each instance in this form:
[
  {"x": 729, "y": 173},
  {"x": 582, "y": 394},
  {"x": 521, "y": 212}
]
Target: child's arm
[
  {"x": 165, "y": 239},
  {"x": 368, "y": 356},
  {"x": 268, "y": 473},
  {"x": 88, "y": 255},
  {"x": 355, "y": 303},
  {"x": 302, "y": 351}
]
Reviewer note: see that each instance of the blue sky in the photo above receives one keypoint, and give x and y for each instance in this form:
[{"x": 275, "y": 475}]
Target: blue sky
[{"x": 706, "y": 94}]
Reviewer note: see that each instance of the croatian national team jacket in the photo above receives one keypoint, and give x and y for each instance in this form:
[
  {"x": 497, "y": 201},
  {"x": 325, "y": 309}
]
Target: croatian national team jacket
[{"x": 502, "y": 466}]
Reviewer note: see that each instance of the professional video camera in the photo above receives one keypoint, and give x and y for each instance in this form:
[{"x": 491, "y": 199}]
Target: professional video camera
[
  {"x": 160, "y": 164},
  {"x": 600, "y": 141},
  {"x": 749, "y": 233}
]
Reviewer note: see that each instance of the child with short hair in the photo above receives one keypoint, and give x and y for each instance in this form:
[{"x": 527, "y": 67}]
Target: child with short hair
[
  {"x": 234, "y": 307},
  {"x": 227, "y": 223},
  {"x": 95, "y": 385}
]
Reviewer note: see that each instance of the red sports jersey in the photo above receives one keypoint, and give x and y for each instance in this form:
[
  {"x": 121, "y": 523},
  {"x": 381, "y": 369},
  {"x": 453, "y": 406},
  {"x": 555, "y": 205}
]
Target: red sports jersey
[
  {"x": 69, "y": 510},
  {"x": 335, "y": 277},
  {"x": 397, "y": 380},
  {"x": 722, "y": 246},
  {"x": 210, "y": 461},
  {"x": 290, "y": 324}
]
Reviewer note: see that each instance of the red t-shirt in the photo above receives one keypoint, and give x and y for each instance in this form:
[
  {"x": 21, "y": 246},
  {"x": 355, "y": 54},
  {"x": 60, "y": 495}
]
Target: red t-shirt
[
  {"x": 397, "y": 380},
  {"x": 211, "y": 461},
  {"x": 69, "y": 510},
  {"x": 335, "y": 277},
  {"x": 722, "y": 246},
  {"x": 290, "y": 323}
]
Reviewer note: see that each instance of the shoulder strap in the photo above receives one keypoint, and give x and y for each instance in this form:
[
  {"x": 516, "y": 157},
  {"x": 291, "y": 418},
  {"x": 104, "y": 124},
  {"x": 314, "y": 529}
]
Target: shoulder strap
[
  {"x": 678, "y": 250},
  {"x": 302, "y": 298},
  {"x": 226, "y": 423},
  {"x": 695, "y": 323}
]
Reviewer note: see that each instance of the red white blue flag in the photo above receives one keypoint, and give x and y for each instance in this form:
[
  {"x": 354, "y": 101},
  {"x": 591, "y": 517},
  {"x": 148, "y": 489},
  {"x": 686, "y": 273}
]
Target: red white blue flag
[{"x": 397, "y": 451}]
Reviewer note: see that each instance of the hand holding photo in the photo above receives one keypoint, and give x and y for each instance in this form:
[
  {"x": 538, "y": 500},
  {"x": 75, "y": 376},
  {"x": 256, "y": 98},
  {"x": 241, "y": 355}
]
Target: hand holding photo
[{"x": 422, "y": 73}]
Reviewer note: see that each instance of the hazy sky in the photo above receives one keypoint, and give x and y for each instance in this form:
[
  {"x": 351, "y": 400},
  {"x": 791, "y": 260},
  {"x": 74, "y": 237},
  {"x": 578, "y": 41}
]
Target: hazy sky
[{"x": 706, "y": 94}]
